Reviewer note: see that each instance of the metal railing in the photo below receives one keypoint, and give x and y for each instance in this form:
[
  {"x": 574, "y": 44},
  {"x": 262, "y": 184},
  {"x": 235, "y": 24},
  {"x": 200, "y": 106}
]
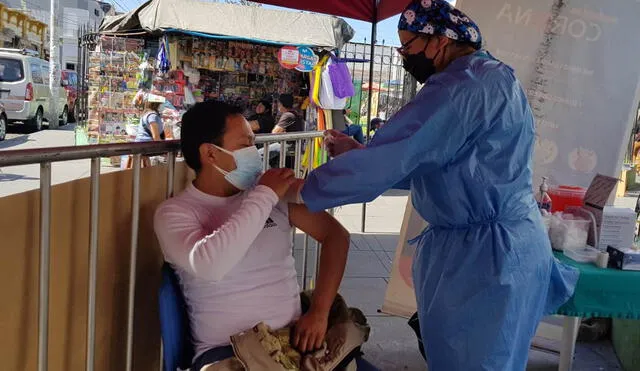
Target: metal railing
[
  {"x": 44, "y": 157},
  {"x": 376, "y": 70}
]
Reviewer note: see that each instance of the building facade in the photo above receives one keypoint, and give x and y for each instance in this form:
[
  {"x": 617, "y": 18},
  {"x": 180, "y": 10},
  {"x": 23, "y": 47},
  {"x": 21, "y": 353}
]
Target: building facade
[{"x": 74, "y": 14}]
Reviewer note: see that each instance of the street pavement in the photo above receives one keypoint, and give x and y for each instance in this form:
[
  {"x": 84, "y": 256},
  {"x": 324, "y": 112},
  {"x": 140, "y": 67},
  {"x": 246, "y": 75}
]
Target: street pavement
[{"x": 17, "y": 179}]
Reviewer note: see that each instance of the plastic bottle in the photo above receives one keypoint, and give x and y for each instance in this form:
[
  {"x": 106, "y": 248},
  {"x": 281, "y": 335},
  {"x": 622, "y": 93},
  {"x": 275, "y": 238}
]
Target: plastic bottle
[{"x": 543, "y": 199}]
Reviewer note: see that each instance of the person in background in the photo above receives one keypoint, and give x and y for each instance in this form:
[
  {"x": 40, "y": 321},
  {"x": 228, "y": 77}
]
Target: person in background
[
  {"x": 150, "y": 127},
  {"x": 376, "y": 124},
  {"x": 228, "y": 236},
  {"x": 262, "y": 122},
  {"x": 290, "y": 120},
  {"x": 353, "y": 130}
]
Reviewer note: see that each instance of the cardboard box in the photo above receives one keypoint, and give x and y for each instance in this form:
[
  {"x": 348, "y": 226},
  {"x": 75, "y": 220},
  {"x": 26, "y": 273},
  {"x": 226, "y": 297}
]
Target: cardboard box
[
  {"x": 617, "y": 228},
  {"x": 625, "y": 259}
]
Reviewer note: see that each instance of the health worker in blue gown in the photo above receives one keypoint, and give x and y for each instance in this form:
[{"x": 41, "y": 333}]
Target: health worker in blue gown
[{"x": 484, "y": 273}]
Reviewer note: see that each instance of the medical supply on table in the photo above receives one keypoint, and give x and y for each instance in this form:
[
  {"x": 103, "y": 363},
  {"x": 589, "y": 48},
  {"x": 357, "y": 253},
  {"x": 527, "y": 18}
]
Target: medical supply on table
[
  {"x": 617, "y": 228},
  {"x": 567, "y": 231},
  {"x": 543, "y": 199},
  {"x": 546, "y": 219},
  {"x": 564, "y": 196},
  {"x": 602, "y": 260},
  {"x": 585, "y": 254},
  {"x": 625, "y": 259}
]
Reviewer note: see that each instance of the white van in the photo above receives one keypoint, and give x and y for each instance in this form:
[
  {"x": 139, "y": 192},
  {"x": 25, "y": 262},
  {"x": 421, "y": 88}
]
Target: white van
[{"x": 24, "y": 88}]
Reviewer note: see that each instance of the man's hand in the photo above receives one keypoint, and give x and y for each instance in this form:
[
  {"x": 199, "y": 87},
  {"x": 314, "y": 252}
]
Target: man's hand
[
  {"x": 310, "y": 331},
  {"x": 279, "y": 180},
  {"x": 338, "y": 143}
]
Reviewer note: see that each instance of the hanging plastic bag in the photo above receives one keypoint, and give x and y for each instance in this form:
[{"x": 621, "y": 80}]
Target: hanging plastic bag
[
  {"x": 328, "y": 99},
  {"x": 316, "y": 81},
  {"x": 189, "y": 99},
  {"x": 341, "y": 79}
]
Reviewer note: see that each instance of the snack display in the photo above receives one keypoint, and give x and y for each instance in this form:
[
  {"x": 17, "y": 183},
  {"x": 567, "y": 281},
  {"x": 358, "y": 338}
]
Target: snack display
[
  {"x": 236, "y": 70},
  {"x": 112, "y": 86}
]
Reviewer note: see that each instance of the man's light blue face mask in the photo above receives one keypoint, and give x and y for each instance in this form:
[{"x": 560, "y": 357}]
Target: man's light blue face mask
[{"x": 248, "y": 167}]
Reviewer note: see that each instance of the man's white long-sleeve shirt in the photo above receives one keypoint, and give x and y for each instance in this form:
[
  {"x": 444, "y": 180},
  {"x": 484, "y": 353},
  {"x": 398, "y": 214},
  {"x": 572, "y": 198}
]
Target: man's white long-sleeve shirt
[{"x": 234, "y": 260}]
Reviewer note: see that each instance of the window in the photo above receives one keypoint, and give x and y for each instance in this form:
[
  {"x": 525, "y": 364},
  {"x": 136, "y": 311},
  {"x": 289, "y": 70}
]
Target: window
[
  {"x": 36, "y": 73},
  {"x": 11, "y": 70},
  {"x": 96, "y": 12},
  {"x": 45, "y": 73},
  {"x": 70, "y": 66}
]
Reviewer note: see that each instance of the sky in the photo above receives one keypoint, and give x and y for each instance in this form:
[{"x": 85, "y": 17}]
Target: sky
[{"x": 387, "y": 30}]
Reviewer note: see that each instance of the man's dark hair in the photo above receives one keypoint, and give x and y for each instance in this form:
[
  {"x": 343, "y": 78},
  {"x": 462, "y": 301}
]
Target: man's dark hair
[
  {"x": 205, "y": 122},
  {"x": 266, "y": 104},
  {"x": 286, "y": 100}
]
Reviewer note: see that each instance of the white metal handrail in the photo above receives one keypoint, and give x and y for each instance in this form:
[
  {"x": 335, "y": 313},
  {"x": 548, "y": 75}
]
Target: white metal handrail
[{"x": 45, "y": 156}]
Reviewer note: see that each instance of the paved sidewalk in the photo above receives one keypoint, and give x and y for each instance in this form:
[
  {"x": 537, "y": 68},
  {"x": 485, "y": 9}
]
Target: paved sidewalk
[{"x": 392, "y": 345}]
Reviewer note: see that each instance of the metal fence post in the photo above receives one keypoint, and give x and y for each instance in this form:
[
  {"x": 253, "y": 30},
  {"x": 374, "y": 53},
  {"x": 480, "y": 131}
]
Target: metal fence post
[
  {"x": 135, "y": 223},
  {"x": 283, "y": 154},
  {"x": 305, "y": 252},
  {"x": 93, "y": 261},
  {"x": 171, "y": 167},
  {"x": 45, "y": 240},
  {"x": 265, "y": 156}
]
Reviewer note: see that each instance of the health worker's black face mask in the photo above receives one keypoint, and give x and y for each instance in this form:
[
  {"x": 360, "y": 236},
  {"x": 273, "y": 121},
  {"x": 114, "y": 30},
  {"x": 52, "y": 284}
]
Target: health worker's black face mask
[{"x": 419, "y": 66}]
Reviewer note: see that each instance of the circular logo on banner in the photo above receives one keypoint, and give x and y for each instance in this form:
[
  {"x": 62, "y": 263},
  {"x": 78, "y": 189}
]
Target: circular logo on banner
[
  {"x": 289, "y": 57},
  {"x": 308, "y": 59}
]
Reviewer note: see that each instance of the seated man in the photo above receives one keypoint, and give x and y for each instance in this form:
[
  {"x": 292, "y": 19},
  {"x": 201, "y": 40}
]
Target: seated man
[{"x": 228, "y": 235}]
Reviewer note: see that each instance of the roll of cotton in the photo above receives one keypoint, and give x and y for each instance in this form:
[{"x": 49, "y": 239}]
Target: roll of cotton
[
  {"x": 546, "y": 219},
  {"x": 568, "y": 232}
]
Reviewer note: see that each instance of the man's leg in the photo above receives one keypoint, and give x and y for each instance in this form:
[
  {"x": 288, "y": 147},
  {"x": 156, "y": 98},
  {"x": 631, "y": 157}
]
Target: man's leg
[{"x": 212, "y": 356}]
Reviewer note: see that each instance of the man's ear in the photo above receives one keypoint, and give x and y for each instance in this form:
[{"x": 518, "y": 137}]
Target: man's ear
[{"x": 208, "y": 154}]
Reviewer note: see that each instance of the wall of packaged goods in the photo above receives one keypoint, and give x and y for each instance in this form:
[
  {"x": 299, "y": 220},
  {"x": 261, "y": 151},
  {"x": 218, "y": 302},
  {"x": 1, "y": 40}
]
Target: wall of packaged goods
[
  {"x": 241, "y": 72},
  {"x": 113, "y": 83}
]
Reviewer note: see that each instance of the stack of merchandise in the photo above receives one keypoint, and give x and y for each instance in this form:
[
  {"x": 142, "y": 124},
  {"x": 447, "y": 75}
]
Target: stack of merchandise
[
  {"x": 236, "y": 71},
  {"x": 113, "y": 83}
]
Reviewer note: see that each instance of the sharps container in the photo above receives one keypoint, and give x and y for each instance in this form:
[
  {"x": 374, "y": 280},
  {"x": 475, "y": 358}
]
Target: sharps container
[{"x": 565, "y": 196}]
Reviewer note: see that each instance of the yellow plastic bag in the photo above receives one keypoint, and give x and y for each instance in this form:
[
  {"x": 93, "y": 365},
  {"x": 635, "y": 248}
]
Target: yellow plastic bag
[{"x": 317, "y": 79}]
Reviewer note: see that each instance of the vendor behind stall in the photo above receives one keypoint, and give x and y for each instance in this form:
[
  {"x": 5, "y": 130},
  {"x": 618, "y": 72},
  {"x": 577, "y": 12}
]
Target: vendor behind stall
[
  {"x": 262, "y": 122},
  {"x": 290, "y": 120}
]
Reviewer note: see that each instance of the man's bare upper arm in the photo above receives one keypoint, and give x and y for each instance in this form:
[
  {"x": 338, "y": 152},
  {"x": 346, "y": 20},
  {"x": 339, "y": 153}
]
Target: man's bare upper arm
[{"x": 317, "y": 225}]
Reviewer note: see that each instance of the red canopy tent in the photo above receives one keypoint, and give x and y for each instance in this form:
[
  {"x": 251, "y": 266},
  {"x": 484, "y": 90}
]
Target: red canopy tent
[{"x": 372, "y": 11}]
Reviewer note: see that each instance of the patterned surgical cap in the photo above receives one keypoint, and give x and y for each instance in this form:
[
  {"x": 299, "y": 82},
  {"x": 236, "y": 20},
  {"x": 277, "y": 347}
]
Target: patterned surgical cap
[{"x": 439, "y": 18}]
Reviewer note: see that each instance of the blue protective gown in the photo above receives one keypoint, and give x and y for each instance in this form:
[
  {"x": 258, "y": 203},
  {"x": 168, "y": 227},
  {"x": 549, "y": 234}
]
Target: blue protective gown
[{"x": 484, "y": 273}]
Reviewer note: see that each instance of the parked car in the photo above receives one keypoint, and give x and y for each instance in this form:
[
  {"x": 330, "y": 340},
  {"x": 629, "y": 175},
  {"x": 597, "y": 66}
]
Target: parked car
[
  {"x": 24, "y": 89},
  {"x": 69, "y": 82},
  {"x": 3, "y": 123}
]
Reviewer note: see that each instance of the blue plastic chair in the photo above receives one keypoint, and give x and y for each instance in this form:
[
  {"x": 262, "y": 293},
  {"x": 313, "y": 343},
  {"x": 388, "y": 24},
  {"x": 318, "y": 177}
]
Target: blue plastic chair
[{"x": 178, "y": 349}]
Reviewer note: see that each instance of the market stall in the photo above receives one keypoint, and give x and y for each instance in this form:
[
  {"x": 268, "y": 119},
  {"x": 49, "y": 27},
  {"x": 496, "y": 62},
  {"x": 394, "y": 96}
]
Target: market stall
[
  {"x": 247, "y": 55},
  {"x": 237, "y": 57}
]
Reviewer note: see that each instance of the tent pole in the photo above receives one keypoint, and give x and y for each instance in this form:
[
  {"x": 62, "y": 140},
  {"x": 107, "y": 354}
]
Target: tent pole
[{"x": 374, "y": 29}]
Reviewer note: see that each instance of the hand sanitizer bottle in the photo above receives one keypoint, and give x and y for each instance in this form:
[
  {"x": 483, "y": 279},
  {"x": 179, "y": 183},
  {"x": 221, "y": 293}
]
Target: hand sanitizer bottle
[{"x": 543, "y": 199}]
